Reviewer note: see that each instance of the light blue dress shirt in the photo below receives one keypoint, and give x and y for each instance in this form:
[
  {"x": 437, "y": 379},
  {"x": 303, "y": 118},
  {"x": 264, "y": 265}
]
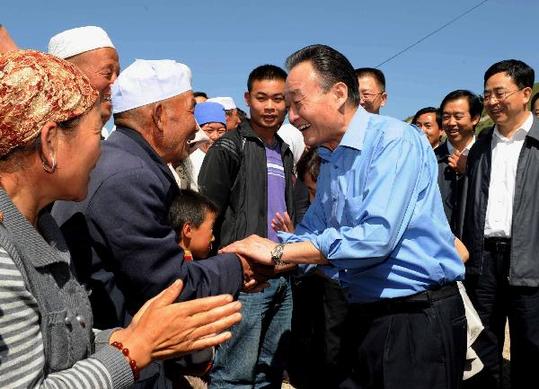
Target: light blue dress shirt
[{"x": 378, "y": 216}]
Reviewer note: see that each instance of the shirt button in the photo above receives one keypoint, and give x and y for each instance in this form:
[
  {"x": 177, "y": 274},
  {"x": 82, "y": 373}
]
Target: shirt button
[
  {"x": 67, "y": 321},
  {"x": 80, "y": 319}
]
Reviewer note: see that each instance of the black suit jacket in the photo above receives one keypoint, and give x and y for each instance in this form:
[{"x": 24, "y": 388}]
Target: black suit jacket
[{"x": 453, "y": 188}]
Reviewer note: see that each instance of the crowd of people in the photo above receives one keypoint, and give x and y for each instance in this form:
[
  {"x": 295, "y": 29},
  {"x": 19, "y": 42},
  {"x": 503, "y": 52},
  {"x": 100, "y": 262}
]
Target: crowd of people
[{"x": 195, "y": 245}]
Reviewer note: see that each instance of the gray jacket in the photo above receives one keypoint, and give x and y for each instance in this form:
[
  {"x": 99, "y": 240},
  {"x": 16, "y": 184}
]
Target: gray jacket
[{"x": 65, "y": 312}]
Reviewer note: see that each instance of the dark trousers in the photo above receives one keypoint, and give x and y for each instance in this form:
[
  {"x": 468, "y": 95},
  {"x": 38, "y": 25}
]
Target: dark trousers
[
  {"x": 318, "y": 324},
  {"x": 408, "y": 344},
  {"x": 496, "y": 301}
]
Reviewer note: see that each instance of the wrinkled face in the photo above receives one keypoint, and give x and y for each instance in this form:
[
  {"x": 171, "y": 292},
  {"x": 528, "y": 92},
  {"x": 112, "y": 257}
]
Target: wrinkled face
[
  {"x": 78, "y": 152},
  {"x": 372, "y": 97},
  {"x": 312, "y": 110},
  {"x": 102, "y": 67},
  {"x": 535, "y": 108},
  {"x": 503, "y": 99},
  {"x": 178, "y": 127},
  {"x": 427, "y": 122},
  {"x": 267, "y": 103},
  {"x": 457, "y": 122},
  {"x": 232, "y": 119},
  {"x": 202, "y": 237}
]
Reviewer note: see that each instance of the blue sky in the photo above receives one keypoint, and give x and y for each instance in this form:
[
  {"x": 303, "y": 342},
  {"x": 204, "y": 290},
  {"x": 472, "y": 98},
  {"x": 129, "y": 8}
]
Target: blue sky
[{"x": 222, "y": 41}]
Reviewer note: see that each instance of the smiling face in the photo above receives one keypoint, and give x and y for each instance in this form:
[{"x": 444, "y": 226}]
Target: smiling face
[
  {"x": 372, "y": 97},
  {"x": 102, "y": 67},
  {"x": 177, "y": 126},
  {"x": 78, "y": 152},
  {"x": 313, "y": 111},
  {"x": 427, "y": 122},
  {"x": 457, "y": 122},
  {"x": 267, "y": 104},
  {"x": 504, "y": 102}
]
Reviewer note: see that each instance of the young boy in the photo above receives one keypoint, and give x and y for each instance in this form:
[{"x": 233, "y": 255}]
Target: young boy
[{"x": 193, "y": 215}]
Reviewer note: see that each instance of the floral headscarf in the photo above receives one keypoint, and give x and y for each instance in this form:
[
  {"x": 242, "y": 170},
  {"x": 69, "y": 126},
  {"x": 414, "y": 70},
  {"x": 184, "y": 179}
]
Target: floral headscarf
[{"x": 36, "y": 88}]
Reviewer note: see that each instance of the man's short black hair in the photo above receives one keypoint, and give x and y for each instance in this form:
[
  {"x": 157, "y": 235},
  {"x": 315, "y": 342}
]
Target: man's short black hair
[
  {"x": 534, "y": 99},
  {"x": 265, "y": 72},
  {"x": 200, "y": 94},
  {"x": 377, "y": 74},
  {"x": 331, "y": 66},
  {"x": 474, "y": 101},
  {"x": 521, "y": 73},
  {"x": 425, "y": 110},
  {"x": 190, "y": 207}
]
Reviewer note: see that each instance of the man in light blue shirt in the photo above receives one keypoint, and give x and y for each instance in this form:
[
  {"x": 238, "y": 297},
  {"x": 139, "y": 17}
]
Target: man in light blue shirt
[{"x": 378, "y": 220}]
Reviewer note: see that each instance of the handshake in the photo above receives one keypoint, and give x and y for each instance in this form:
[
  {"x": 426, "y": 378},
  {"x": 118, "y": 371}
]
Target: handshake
[{"x": 257, "y": 258}]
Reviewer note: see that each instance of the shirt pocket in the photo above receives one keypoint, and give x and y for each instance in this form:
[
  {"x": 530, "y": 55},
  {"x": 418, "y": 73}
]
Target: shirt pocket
[{"x": 57, "y": 334}]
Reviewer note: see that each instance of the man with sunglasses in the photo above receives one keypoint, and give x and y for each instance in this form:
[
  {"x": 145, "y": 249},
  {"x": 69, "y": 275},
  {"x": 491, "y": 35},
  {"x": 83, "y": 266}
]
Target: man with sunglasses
[{"x": 502, "y": 212}]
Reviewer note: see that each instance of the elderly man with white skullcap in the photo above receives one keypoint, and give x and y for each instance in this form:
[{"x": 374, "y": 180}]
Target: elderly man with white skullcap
[
  {"x": 91, "y": 49},
  {"x": 122, "y": 244},
  {"x": 231, "y": 110}
]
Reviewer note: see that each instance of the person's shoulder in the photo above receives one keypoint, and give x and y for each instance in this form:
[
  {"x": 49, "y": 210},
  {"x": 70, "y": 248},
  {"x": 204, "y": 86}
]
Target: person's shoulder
[{"x": 390, "y": 129}]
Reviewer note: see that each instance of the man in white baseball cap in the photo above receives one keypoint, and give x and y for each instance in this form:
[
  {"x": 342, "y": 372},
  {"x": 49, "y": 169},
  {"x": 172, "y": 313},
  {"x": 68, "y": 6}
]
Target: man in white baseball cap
[
  {"x": 231, "y": 110},
  {"x": 91, "y": 49},
  {"x": 121, "y": 229}
]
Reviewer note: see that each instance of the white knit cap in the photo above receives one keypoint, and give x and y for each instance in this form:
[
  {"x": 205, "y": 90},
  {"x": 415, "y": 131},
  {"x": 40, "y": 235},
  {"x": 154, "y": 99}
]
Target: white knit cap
[
  {"x": 226, "y": 102},
  {"x": 78, "y": 40},
  {"x": 145, "y": 82}
]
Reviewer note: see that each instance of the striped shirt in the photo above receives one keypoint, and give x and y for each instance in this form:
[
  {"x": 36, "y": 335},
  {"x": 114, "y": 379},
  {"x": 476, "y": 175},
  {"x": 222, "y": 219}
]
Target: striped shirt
[{"x": 22, "y": 358}]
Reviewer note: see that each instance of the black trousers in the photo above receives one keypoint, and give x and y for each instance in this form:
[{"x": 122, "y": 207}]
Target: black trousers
[
  {"x": 317, "y": 360},
  {"x": 496, "y": 301},
  {"x": 408, "y": 344}
]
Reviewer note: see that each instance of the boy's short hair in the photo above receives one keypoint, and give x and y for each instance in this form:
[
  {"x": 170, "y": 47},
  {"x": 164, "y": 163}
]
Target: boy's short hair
[
  {"x": 309, "y": 163},
  {"x": 190, "y": 207}
]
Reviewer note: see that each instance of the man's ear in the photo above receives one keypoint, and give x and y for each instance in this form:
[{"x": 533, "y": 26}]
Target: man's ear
[
  {"x": 340, "y": 91},
  {"x": 384, "y": 99},
  {"x": 158, "y": 111},
  {"x": 49, "y": 144},
  {"x": 475, "y": 120},
  {"x": 246, "y": 97},
  {"x": 187, "y": 231}
]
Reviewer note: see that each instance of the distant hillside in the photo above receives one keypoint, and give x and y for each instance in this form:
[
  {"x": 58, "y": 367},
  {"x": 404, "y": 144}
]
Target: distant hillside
[{"x": 485, "y": 121}]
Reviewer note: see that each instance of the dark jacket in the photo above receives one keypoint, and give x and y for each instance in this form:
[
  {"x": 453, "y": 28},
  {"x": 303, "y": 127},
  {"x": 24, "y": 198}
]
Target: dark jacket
[
  {"x": 524, "y": 262},
  {"x": 453, "y": 188},
  {"x": 121, "y": 241},
  {"x": 234, "y": 176}
]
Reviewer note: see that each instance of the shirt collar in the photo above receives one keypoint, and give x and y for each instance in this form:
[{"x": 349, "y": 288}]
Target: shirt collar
[
  {"x": 451, "y": 148},
  {"x": 520, "y": 133},
  {"x": 355, "y": 134}
]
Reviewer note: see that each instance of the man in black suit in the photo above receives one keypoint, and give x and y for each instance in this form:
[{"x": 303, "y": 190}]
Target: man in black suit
[{"x": 460, "y": 112}]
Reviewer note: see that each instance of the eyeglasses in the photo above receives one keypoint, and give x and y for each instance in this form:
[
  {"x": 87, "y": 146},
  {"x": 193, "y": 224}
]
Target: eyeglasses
[
  {"x": 369, "y": 96},
  {"x": 499, "y": 94}
]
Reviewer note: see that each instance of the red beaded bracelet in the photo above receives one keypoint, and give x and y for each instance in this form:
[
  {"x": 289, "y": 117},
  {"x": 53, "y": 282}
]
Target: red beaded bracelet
[{"x": 132, "y": 362}]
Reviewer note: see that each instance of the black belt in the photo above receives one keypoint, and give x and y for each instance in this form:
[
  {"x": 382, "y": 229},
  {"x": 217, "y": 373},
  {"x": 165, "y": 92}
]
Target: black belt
[
  {"x": 407, "y": 304},
  {"x": 497, "y": 244}
]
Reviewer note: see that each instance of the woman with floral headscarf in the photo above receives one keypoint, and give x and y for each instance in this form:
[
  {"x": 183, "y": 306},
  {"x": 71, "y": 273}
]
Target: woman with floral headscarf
[{"x": 49, "y": 142}]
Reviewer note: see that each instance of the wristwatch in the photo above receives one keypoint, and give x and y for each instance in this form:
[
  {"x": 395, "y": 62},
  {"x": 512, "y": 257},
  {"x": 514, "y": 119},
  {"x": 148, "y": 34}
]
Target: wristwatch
[{"x": 277, "y": 254}]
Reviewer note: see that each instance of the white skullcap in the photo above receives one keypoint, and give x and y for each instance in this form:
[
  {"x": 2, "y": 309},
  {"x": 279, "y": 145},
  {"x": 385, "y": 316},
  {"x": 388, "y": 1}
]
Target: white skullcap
[
  {"x": 226, "y": 102},
  {"x": 78, "y": 40},
  {"x": 145, "y": 82}
]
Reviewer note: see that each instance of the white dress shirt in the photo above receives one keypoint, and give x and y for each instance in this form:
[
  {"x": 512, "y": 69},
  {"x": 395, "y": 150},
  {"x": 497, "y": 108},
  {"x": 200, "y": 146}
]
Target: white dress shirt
[
  {"x": 505, "y": 153},
  {"x": 451, "y": 148}
]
